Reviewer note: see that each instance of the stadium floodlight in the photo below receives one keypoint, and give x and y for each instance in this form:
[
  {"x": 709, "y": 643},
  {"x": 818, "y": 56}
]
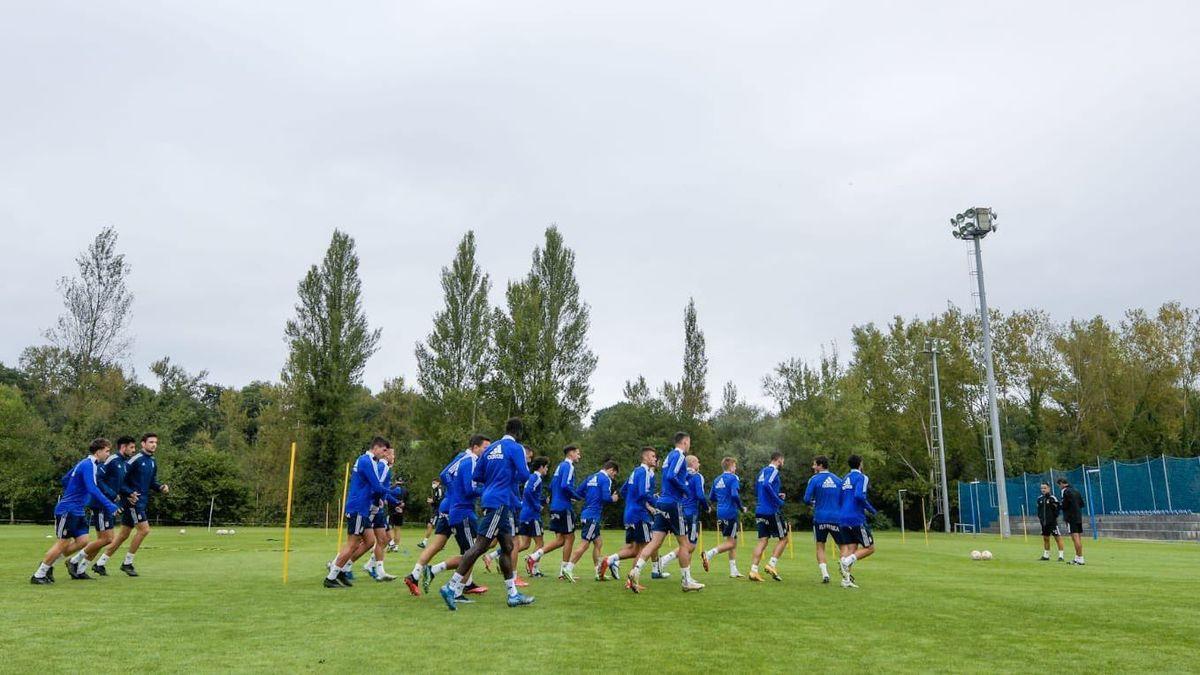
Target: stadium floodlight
[{"x": 974, "y": 224}]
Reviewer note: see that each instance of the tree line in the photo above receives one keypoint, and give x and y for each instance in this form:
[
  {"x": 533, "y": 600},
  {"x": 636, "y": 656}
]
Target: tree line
[{"x": 1070, "y": 392}]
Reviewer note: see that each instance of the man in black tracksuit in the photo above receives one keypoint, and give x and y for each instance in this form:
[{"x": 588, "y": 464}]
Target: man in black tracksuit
[
  {"x": 1072, "y": 510},
  {"x": 1047, "y": 510}
]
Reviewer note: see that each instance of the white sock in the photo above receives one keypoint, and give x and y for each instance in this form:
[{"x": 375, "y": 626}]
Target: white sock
[
  {"x": 710, "y": 553},
  {"x": 456, "y": 584},
  {"x": 656, "y": 566},
  {"x": 511, "y": 585},
  {"x": 570, "y": 567},
  {"x": 851, "y": 559},
  {"x": 333, "y": 572},
  {"x": 416, "y": 573},
  {"x": 824, "y": 569},
  {"x": 754, "y": 569},
  {"x": 77, "y": 557},
  {"x": 41, "y": 571},
  {"x": 379, "y": 571},
  {"x": 437, "y": 569},
  {"x": 733, "y": 567},
  {"x": 128, "y": 558},
  {"x": 1060, "y": 553},
  {"x": 685, "y": 573},
  {"x": 666, "y": 560},
  {"x": 424, "y": 541},
  {"x": 536, "y": 555},
  {"x": 471, "y": 579},
  {"x": 774, "y": 561},
  {"x": 349, "y": 566},
  {"x": 637, "y": 566},
  {"x": 103, "y": 559},
  {"x": 494, "y": 555},
  {"x": 614, "y": 560},
  {"x": 82, "y": 565}
]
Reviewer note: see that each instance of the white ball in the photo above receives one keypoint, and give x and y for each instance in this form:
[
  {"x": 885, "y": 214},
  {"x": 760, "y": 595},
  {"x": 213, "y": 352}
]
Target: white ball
[
  {"x": 235, "y": 532},
  {"x": 987, "y": 555},
  {"x": 183, "y": 532},
  {"x": 976, "y": 555}
]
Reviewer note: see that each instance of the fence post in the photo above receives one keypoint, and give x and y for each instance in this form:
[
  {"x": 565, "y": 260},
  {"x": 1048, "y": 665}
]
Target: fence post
[
  {"x": 1167, "y": 481},
  {"x": 1150, "y": 476},
  {"x": 1100, "y": 477},
  {"x": 1117, "y": 480},
  {"x": 1025, "y": 484}
]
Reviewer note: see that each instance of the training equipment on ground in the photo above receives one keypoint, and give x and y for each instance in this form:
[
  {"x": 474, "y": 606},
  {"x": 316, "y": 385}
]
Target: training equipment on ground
[
  {"x": 987, "y": 555},
  {"x": 183, "y": 532},
  {"x": 976, "y": 555}
]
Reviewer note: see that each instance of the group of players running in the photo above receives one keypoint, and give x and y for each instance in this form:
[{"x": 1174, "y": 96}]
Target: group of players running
[
  {"x": 101, "y": 487},
  {"x": 508, "y": 484}
]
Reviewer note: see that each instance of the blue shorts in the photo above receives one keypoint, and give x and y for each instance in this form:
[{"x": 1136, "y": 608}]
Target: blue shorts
[
  {"x": 669, "y": 520},
  {"x": 771, "y": 526},
  {"x": 589, "y": 530},
  {"x": 562, "y": 522},
  {"x": 69, "y": 526},
  {"x": 441, "y": 524},
  {"x": 821, "y": 532},
  {"x": 497, "y": 522},
  {"x": 691, "y": 528},
  {"x": 857, "y": 534},
  {"x": 464, "y": 533},
  {"x": 637, "y": 533},
  {"x": 530, "y": 528},
  {"x": 132, "y": 515},
  {"x": 102, "y": 521},
  {"x": 379, "y": 521},
  {"x": 357, "y": 523},
  {"x": 729, "y": 528}
]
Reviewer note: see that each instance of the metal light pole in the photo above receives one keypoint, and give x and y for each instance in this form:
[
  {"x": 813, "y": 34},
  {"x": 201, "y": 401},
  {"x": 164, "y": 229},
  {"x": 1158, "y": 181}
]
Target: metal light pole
[
  {"x": 932, "y": 347},
  {"x": 975, "y": 224},
  {"x": 900, "y": 498}
]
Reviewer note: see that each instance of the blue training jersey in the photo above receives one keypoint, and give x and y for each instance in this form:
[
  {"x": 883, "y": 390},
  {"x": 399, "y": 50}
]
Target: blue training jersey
[
  {"x": 466, "y": 492},
  {"x": 725, "y": 492},
  {"x": 638, "y": 493},
  {"x": 500, "y": 470},
  {"x": 854, "y": 503},
  {"x": 141, "y": 476},
  {"x": 365, "y": 488},
  {"x": 824, "y": 494},
  {"x": 446, "y": 477},
  {"x": 768, "y": 488},
  {"x": 79, "y": 486},
  {"x": 531, "y": 499},
  {"x": 597, "y": 491},
  {"x": 562, "y": 486},
  {"x": 110, "y": 476},
  {"x": 674, "y": 480},
  {"x": 695, "y": 499}
]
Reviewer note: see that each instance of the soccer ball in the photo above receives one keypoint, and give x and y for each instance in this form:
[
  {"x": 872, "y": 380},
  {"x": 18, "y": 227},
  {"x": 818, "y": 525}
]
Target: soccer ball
[
  {"x": 235, "y": 532},
  {"x": 183, "y": 532},
  {"x": 222, "y": 532},
  {"x": 976, "y": 555},
  {"x": 987, "y": 555}
]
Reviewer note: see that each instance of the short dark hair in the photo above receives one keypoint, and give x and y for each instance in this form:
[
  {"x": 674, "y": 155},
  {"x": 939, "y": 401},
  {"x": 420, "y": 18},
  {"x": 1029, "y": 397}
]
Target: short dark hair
[
  {"x": 648, "y": 448},
  {"x": 679, "y": 436},
  {"x": 125, "y": 440},
  {"x": 610, "y": 465},
  {"x": 514, "y": 427},
  {"x": 539, "y": 462},
  {"x": 776, "y": 455},
  {"x": 567, "y": 450},
  {"x": 479, "y": 439},
  {"x": 855, "y": 461},
  {"x": 380, "y": 442},
  {"x": 1046, "y": 484},
  {"x": 821, "y": 461},
  {"x": 98, "y": 445},
  {"x": 148, "y": 436},
  {"x": 1063, "y": 481}
]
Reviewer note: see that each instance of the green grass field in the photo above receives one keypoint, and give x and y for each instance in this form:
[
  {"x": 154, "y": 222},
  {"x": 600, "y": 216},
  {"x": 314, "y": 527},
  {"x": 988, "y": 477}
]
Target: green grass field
[{"x": 207, "y": 603}]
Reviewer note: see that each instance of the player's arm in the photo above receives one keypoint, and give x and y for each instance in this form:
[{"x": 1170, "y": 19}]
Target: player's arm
[
  {"x": 366, "y": 467},
  {"x": 808, "y": 491},
  {"x": 860, "y": 496},
  {"x": 520, "y": 468},
  {"x": 678, "y": 476},
  {"x": 701, "y": 497},
  {"x": 773, "y": 494},
  {"x": 89, "y": 480},
  {"x": 154, "y": 484}
]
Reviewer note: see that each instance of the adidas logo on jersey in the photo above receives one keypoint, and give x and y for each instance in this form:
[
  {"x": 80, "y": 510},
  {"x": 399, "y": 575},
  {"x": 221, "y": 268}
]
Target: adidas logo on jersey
[
  {"x": 496, "y": 453},
  {"x": 829, "y": 483}
]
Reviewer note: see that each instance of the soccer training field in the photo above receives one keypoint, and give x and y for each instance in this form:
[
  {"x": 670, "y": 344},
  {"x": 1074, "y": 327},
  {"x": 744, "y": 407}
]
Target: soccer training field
[{"x": 206, "y": 602}]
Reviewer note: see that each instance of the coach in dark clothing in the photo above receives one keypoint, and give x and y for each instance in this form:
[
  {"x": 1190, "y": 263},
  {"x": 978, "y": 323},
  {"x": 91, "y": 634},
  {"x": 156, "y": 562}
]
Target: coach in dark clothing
[
  {"x": 1072, "y": 511},
  {"x": 1047, "y": 510}
]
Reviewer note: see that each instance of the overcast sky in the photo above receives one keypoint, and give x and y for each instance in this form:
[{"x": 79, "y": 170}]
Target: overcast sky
[{"x": 792, "y": 166}]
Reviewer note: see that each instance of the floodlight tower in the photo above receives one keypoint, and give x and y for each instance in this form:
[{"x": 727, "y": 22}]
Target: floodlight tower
[{"x": 975, "y": 224}]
